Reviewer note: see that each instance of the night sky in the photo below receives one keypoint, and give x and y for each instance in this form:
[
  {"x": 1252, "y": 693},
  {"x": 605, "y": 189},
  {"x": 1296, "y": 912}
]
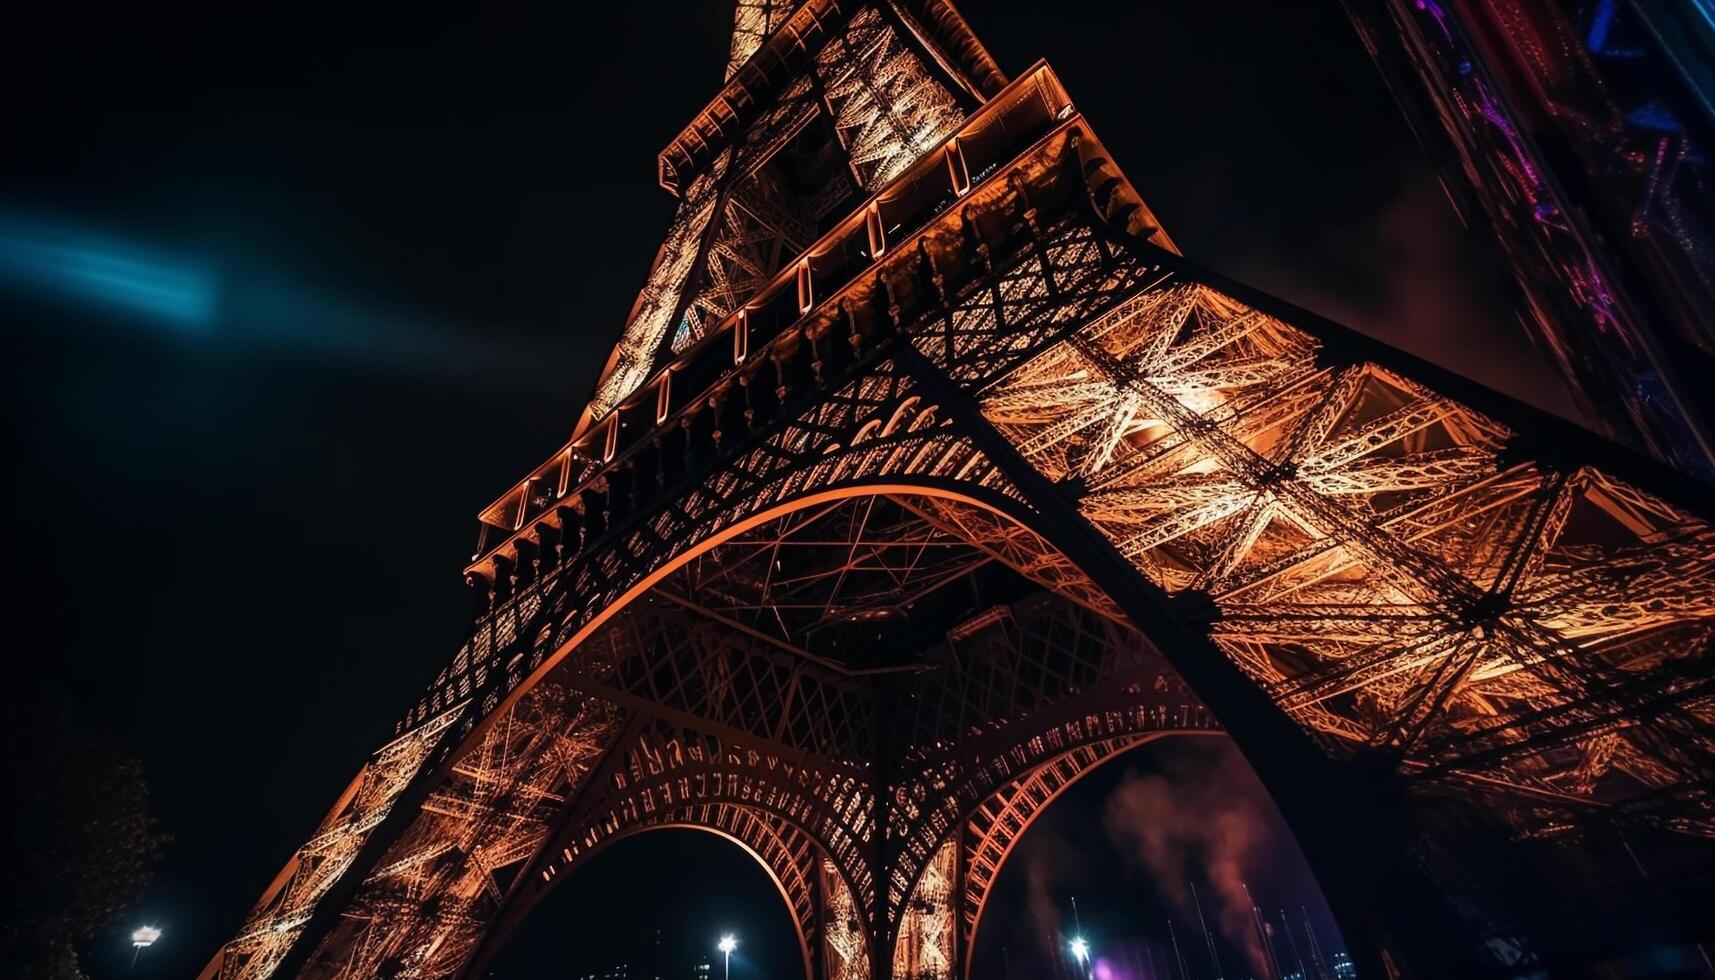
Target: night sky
[{"x": 388, "y": 250}]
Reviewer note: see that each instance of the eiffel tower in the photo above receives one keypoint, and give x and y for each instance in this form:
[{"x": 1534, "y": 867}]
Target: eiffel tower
[{"x": 926, "y": 476}]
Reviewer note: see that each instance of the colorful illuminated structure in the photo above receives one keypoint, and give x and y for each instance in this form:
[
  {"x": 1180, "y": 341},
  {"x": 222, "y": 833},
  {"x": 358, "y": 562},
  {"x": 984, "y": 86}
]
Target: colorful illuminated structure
[
  {"x": 926, "y": 476},
  {"x": 1581, "y": 135}
]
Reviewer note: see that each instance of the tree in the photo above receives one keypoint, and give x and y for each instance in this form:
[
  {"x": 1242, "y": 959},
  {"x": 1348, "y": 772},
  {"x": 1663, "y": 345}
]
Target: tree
[{"x": 79, "y": 842}]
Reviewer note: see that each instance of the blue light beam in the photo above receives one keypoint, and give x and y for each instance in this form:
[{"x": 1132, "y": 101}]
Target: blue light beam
[{"x": 69, "y": 264}]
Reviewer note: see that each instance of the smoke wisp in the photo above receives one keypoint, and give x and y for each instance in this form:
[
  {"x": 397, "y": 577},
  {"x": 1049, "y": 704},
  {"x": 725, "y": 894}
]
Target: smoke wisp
[{"x": 1203, "y": 817}]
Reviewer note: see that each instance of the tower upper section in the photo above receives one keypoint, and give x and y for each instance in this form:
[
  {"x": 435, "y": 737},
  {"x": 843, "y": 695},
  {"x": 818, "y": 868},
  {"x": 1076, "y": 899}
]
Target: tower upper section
[
  {"x": 846, "y": 131},
  {"x": 823, "y": 104}
]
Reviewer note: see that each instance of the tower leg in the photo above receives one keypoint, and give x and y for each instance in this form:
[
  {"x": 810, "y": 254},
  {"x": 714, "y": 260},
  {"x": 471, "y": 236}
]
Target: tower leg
[
  {"x": 925, "y": 945},
  {"x": 844, "y": 943}
]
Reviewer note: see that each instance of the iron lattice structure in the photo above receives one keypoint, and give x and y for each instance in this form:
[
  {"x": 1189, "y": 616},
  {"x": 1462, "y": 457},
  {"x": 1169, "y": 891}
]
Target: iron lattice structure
[{"x": 927, "y": 476}]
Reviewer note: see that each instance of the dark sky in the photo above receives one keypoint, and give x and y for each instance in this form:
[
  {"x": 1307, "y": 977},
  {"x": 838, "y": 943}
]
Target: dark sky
[
  {"x": 387, "y": 251},
  {"x": 679, "y": 891},
  {"x": 1129, "y": 842}
]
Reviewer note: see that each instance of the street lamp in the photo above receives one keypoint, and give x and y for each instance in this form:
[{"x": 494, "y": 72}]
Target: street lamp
[
  {"x": 1081, "y": 952},
  {"x": 1080, "y": 945},
  {"x": 141, "y": 937},
  {"x": 727, "y": 945}
]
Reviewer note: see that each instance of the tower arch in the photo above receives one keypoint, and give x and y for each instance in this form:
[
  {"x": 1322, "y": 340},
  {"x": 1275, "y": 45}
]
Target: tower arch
[
  {"x": 870, "y": 860},
  {"x": 745, "y": 831},
  {"x": 776, "y": 847},
  {"x": 995, "y": 827}
]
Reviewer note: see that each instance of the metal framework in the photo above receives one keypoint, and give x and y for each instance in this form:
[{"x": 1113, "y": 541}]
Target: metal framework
[{"x": 900, "y": 531}]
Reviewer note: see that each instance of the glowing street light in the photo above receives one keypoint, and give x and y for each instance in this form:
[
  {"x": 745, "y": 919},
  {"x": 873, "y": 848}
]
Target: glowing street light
[
  {"x": 728, "y": 943},
  {"x": 142, "y": 937},
  {"x": 1080, "y": 946},
  {"x": 1081, "y": 951}
]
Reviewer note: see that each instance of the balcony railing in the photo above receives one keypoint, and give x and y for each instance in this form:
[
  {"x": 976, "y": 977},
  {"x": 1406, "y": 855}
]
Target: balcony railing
[
  {"x": 1011, "y": 122},
  {"x": 707, "y": 390}
]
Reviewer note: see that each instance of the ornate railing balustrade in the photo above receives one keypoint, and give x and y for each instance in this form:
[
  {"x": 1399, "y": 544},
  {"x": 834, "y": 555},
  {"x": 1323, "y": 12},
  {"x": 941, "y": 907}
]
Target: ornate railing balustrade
[{"x": 805, "y": 303}]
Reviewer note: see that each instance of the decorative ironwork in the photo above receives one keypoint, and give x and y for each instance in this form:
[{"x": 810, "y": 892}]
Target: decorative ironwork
[
  {"x": 846, "y": 949},
  {"x": 923, "y": 949},
  {"x": 888, "y": 107},
  {"x": 285, "y": 908},
  {"x": 1383, "y": 566},
  {"x": 419, "y": 910},
  {"x": 753, "y": 22},
  {"x": 869, "y": 571},
  {"x": 653, "y": 313}
]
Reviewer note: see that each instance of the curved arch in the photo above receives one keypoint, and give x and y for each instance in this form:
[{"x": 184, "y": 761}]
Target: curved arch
[
  {"x": 576, "y": 628},
  {"x": 642, "y": 808},
  {"x": 1076, "y": 758},
  {"x": 729, "y": 836},
  {"x": 545, "y": 657},
  {"x": 972, "y": 495},
  {"x": 585, "y": 624},
  {"x": 795, "y": 853},
  {"x": 1076, "y": 725},
  {"x": 971, "y": 912}
]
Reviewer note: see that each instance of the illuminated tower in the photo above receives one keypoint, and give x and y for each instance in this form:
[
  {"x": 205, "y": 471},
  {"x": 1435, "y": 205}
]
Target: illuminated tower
[
  {"x": 1582, "y": 136},
  {"x": 927, "y": 476}
]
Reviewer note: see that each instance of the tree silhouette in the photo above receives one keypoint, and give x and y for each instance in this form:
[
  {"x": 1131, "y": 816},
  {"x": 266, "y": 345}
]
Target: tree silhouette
[{"x": 79, "y": 842}]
